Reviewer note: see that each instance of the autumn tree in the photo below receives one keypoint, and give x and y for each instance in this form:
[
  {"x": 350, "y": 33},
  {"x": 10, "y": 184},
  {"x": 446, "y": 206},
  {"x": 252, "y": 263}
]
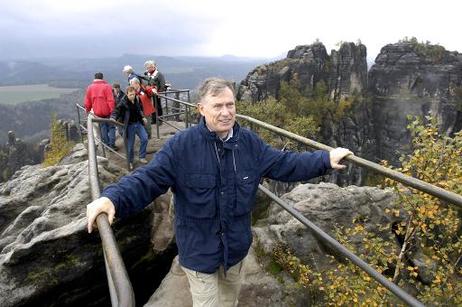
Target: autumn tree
[{"x": 429, "y": 259}]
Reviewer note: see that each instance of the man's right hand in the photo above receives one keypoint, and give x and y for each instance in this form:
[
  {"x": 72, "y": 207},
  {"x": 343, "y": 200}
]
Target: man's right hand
[
  {"x": 336, "y": 155},
  {"x": 100, "y": 205}
]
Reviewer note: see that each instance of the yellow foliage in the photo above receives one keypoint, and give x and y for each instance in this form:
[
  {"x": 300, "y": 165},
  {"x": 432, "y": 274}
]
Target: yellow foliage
[
  {"x": 59, "y": 146},
  {"x": 427, "y": 223},
  {"x": 436, "y": 159}
]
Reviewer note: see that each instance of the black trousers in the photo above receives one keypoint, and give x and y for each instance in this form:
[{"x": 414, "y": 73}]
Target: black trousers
[{"x": 158, "y": 109}]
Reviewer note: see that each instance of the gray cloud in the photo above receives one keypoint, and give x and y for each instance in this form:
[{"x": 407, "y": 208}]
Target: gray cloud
[
  {"x": 111, "y": 31},
  {"x": 97, "y": 28}
]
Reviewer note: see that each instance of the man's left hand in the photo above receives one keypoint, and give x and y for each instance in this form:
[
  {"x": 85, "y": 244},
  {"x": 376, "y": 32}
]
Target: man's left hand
[{"x": 336, "y": 155}]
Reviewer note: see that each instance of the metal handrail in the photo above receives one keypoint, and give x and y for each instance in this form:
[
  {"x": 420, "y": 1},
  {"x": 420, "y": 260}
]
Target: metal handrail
[
  {"x": 178, "y": 110},
  {"x": 120, "y": 288},
  {"x": 411, "y": 181},
  {"x": 104, "y": 146},
  {"x": 418, "y": 184},
  {"x": 396, "y": 290},
  {"x": 448, "y": 196},
  {"x": 177, "y": 100},
  {"x": 423, "y": 186},
  {"x": 175, "y": 91}
]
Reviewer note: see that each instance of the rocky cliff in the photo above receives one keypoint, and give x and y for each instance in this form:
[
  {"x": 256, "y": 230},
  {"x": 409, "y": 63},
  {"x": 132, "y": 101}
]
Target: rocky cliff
[
  {"x": 46, "y": 256},
  {"x": 340, "y": 75},
  {"x": 344, "y": 72},
  {"x": 17, "y": 153},
  {"x": 408, "y": 78},
  {"x": 411, "y": 78}
]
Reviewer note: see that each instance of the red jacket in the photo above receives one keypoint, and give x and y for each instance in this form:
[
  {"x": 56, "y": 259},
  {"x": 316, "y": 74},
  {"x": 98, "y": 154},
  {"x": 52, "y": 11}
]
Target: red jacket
[
  {"x": 99, "y": 98},
  {"x": 145, "y": 95}
]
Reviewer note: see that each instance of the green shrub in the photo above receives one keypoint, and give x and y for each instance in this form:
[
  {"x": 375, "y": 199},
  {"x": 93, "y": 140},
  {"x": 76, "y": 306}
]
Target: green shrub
[
  {"x": 433, "y": 51},
  {"x": 297, "y": 113}
]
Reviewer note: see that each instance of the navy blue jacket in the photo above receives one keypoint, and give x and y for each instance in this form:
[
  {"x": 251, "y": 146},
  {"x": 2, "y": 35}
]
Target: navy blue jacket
[{"x": 214, "y": 184}]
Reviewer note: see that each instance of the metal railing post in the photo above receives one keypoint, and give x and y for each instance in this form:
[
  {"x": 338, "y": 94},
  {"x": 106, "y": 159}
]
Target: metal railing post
[
  {"x": 177, "y": 105},
  {"x": 79, "y": 123},
  {"x": 103, "y": 150},
  {"x": 157, "y": 124},
  {"x": 187, "y": 116},
  {"x": 166, "y": 104},
  {"x": 122, "y": 291}
]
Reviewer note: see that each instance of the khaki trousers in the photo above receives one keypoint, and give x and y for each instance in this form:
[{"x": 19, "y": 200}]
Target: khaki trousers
[{"x": 215, "y": 290}]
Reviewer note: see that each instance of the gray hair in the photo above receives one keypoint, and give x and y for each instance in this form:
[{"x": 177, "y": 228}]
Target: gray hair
[
  {"x": 127, "y": 69},
  {"x": 134, "y": 80},
  {"x": 149, "y": 63},
  {"x": 213, "y": 87}
]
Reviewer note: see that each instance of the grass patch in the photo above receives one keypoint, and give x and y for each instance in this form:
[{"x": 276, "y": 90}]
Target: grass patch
[{"x": 11, "y": 95}]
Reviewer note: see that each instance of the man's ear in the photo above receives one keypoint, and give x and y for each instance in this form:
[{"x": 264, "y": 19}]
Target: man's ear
[{"x": 200, "y": 108}]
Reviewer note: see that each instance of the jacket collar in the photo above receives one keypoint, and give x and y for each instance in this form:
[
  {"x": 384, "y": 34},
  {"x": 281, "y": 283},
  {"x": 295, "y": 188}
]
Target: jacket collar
[{"x": 212, "y": 136}]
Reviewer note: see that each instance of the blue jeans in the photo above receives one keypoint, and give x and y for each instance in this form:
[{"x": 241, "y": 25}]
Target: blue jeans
[
  {"x": 138, "y": 129},
  {"x": 108, "y": 134}
]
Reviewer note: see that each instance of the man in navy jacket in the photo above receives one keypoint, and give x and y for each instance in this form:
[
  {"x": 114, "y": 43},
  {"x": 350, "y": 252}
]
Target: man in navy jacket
[{"x": 214, "y": 170}]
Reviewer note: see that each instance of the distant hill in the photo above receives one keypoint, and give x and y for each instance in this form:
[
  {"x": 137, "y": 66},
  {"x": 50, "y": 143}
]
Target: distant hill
[
  {"x": 31, "y": 120},
  {"x": 181, "y": 72}
]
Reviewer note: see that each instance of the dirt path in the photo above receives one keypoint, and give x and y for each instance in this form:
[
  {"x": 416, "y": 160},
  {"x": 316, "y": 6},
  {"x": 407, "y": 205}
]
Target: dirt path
[{"x": 154, "y": 144}]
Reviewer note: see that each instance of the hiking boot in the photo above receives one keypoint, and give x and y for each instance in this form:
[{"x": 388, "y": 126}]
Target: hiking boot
[{"x": 143, "y": 160}]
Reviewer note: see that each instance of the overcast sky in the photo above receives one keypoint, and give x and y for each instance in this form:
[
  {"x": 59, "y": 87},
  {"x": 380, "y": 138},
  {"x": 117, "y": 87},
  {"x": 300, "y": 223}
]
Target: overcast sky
[{"x": 267, "y": 28}]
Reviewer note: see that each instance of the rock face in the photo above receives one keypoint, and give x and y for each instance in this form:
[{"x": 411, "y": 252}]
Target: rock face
[
  {"x": 17, "y": 153},
  {"x": 328, "y": 206},
  {"x": 348, "y": 73},
  {"x": 46, "y": 256},
  {"x": 408, "y": 78},
  {"x": 416, "y": 79},
  {"x": 343, "y": 72}
]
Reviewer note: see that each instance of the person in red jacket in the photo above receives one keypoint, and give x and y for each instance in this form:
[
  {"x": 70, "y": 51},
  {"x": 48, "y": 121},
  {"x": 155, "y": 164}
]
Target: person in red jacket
[
  {"x": 145, "y": 94},
  {"x": 100, "y": 99}
]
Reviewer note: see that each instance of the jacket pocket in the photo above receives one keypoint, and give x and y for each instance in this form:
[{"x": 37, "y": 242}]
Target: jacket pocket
[
  {"x": 246, "y": 185},
  {"x": 200, "y": 195}
]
